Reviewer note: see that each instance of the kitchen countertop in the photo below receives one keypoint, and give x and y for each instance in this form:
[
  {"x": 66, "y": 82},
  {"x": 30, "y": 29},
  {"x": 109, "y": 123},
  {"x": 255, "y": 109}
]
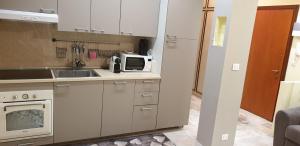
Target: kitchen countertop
[{"x": 104, "y": 75}]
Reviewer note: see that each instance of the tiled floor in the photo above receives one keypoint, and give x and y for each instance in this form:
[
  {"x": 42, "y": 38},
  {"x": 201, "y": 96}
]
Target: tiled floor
[{"x": 251, "y": 130}]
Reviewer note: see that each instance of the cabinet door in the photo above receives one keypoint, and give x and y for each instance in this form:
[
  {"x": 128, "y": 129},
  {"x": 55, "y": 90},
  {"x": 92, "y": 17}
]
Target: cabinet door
[
  {"x": 183, "y": 20},
  {"x": 204, "y": 52},
  {"x": 144, "y": 118},
  {"x": 77, "y": 110},
  {"x": 47, "y": 6},
  {"x": 176, "y": 85},
  {"x": 139, "y": 17},
  {"x": 117, "y": 107},
  {"x": 74, "y": 15},
  {"x": 105, "y": 16}
]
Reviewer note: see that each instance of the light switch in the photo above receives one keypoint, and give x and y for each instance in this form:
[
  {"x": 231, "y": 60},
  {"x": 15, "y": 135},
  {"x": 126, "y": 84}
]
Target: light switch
[
  {"x": 225, "y": 137},
  {"x": 236, "y": 67}
]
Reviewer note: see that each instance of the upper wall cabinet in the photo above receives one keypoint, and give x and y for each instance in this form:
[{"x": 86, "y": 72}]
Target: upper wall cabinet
[
  {"x": 44, "y": 6},
  {"x": 184, "y": 27},
  {"x": 105, "y": 16},
  {"x": 74, "y": 15},
  {"x": 139, "y": 17}
]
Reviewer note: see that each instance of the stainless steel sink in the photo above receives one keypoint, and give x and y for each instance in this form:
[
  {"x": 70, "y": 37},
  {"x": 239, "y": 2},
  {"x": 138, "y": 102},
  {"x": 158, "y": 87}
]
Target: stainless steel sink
[{"x": 69, "y": 73}]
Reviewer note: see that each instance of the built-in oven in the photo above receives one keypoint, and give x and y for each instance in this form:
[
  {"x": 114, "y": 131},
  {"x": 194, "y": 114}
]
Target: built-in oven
[{"x": 25, "y": 114}]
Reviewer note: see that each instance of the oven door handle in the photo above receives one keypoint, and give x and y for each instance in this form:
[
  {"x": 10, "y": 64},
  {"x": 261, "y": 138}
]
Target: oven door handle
[{"x": 5, "y": 107}]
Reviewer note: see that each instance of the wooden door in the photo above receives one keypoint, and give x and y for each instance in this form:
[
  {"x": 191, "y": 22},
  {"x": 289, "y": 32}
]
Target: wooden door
[
  {"x": 105, "y": 16},
  {"x": 271, "y": 42},
  {"x": 139, "y": 17},
  {"x": 74, "y": 15},
  {"x": 204, "y": 52}
]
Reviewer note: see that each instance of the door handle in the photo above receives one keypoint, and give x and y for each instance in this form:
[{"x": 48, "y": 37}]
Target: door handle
[
  {"x": 5, "y": 107},
  {"x": 275, "y": 71}
]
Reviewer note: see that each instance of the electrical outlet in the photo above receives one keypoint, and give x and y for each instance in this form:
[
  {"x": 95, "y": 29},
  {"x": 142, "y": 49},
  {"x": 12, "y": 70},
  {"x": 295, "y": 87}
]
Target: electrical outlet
[
  {"x": 225, "y": 137},
  {"x": 235, "y": 67}
]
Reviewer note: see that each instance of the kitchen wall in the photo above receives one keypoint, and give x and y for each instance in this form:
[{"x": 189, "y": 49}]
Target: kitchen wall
[{"x": 29, "y": 45}]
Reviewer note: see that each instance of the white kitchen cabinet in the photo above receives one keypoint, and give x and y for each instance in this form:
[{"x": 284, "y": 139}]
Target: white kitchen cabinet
[
  {"x": 44, "y": 6},
  {"x": 178, "y": 68},
  {"x": 74, "y": 15},
  {"x": 183, "y": 19},
  {"x": 139, "y": 17},
  {"x": 105, "y": 16},
  {"x": 77, "y": 110},
  {"x": 144, "y": 118},
  {"x": 117, "y": 107}
]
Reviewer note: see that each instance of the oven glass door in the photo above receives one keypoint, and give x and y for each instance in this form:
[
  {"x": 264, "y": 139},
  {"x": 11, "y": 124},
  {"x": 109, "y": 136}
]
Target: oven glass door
[{"x": 25, "y": 119}]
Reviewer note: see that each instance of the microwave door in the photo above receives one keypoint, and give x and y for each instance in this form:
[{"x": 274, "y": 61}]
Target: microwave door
[{"x": 134, "y": 64}]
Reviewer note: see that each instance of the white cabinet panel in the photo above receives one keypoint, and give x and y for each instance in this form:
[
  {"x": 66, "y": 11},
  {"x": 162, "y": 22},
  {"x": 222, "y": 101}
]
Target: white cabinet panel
[
  {"x": 117, "y": 107},
  {"x": 74, "y": 15},
  {"x": 139, "y": 17},
  {"x": 105, "y": 16},
  {"x": 183, "y": 20},
  {"x": 47, "y": 6},
  {"x": 77, "y": 110},
  {"x": 178, "y": 70}
]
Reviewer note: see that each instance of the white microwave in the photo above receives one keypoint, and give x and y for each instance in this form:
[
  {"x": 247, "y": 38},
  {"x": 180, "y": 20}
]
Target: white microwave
[{"x": 134, "y": 62}]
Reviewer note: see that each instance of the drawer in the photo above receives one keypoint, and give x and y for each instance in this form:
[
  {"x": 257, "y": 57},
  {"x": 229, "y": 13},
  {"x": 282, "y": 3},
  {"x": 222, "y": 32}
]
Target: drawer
[
  {"x": 144, "y": 118},
  {"x": 146, "y": 97},
  {"x": 30, "y": 142},
  {"x": 147, "y": 85}
]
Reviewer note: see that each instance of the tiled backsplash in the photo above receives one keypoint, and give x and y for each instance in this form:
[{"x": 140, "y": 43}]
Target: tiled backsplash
[{"x": 30, "y": 45}]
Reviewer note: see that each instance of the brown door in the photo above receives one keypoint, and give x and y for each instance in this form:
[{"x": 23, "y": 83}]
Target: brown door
[{"x": 271, "y": 43}]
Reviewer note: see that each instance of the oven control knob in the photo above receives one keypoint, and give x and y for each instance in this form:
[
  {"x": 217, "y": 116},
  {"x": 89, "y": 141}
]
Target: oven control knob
[
  {"x": 15, "y": 97},
  {"x": 25, "y": 96},
  {"x": 34, "y": 96}
]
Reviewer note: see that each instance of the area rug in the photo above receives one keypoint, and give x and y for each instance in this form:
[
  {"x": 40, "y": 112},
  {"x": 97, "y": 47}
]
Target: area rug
[{"x": 141, "y": 140}]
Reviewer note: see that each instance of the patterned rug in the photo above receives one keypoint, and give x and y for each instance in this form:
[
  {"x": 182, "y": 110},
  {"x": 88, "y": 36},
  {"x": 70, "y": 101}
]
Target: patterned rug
[{"x": 142, "y": 140}]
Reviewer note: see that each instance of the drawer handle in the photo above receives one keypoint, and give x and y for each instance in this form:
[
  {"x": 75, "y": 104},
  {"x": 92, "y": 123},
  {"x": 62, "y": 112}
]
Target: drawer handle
[
  {"x": 120, "y": 83},
  {"x": 148, "y": 81},
  {"x": 63, "y": 85},
  {"x": 146, "y": 109},
  {"x": 25, "y": 144},
  {"x": 147, "y": 95}
]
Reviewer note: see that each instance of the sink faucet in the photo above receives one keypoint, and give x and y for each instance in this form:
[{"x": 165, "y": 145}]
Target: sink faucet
[{"x": 77, "y": 56}]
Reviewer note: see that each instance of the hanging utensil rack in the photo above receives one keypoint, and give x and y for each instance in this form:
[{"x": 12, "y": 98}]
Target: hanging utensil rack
[{"x": 95, "y": 42}]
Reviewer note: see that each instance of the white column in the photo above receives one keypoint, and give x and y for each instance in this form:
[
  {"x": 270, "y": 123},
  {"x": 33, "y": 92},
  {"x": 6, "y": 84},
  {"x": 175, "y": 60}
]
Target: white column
[{"x": 223, "y": 86}]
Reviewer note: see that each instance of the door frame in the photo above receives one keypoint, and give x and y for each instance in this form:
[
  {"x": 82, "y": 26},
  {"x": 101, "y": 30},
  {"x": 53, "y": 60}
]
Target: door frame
[{"x": 289, "y": 43}]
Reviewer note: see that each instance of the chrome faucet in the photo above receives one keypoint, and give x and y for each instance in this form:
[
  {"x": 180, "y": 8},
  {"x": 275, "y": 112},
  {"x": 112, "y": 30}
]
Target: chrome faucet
[{"x": 77, "y": 55}]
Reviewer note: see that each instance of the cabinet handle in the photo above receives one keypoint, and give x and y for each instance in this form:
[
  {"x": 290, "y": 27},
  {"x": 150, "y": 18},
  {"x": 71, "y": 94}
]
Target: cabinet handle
[
  {"x": 81, "y": 29},
  {"x": 48, "y": 11},
  {"x": 148, "y": 81},
  {"x": 120, "y": 83},
  {"x": 171, "y": 37},
  {"x": 129, "y": 33},
  {"x": 146, "y": 109},
  {"x": 171, "y": 41},
  {"x": 95, "y": 30},
  {"x": 25, "y": 144},
  {"x": 63, "y": 85},
  {"x": 147, "y": 95}
]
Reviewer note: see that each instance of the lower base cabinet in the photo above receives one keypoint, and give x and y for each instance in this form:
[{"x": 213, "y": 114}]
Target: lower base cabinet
[
  {"x": 144, "y": 118},
  {"x": 77, "y": 110},
  {"x": 117, "y": 107}
]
